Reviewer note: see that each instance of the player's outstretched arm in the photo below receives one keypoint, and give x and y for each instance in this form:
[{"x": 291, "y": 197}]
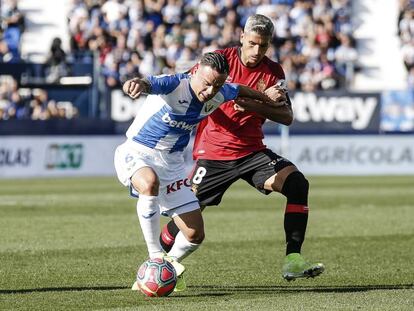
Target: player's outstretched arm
[
  {"x": 245, "y": 91},
  {"x": 134, "y": 87},
  {"x": 274, "y": 104},
  {"x": 281, "y": 114}
]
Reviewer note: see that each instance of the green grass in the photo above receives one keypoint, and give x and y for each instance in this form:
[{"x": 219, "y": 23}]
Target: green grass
[{"x": 74, "y": 244}]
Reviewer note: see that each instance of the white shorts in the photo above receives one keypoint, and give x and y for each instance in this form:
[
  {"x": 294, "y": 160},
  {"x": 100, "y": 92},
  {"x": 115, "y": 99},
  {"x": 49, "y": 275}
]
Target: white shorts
[{"x": 175, "y": 195}]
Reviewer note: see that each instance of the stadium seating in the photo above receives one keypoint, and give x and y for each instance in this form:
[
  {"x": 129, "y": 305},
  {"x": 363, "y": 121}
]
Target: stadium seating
[
  {"x": 321, "y": 44},
  {"x": 164, "y": 35}
]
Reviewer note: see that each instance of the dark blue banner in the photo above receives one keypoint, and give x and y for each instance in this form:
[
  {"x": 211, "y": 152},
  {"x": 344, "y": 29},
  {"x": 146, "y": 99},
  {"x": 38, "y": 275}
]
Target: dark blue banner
[{"x": 335, "y": 113}]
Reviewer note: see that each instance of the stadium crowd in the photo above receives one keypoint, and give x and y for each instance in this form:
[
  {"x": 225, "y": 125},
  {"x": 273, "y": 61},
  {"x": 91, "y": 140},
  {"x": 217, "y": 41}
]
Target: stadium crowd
[
  {"x": 134, "y": 38},
  {"x": 313, "y": 39},
  {"x": 24, "y": 103},
  {"x": 12, "y": 26}
]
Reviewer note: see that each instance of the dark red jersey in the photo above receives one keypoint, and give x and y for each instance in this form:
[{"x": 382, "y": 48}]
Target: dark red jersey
[{"x": 228, "y": 134}]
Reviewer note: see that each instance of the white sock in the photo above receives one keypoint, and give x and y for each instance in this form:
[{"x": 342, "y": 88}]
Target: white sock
[
  {"x": 182, "y": 247},
  {"x": 148, "y": 211}
]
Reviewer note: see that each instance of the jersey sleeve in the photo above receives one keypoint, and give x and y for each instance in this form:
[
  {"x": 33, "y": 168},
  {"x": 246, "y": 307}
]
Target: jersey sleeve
[
  {"x": 164, "y": 84},
  {"x": 230, "y": 91}
]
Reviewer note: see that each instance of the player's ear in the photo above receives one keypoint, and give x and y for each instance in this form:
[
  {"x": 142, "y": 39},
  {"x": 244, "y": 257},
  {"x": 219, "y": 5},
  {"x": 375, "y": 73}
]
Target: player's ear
[
  {"x": 195, "y": 69},
  {"x": 241, "y": 36},
  {"x": 194, "y": 72}
]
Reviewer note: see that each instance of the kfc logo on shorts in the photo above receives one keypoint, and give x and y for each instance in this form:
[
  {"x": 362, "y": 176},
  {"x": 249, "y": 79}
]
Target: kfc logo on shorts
[{"x": 176, "y": 185}]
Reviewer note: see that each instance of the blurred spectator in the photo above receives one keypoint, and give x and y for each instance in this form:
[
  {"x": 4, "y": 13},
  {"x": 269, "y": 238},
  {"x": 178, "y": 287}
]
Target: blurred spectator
[
  {"x": 171, "y": 12},
  {"x": 22, "y": 103},
  {"x": 345, "y": 56},
  {"x": 39, "y": 106},
  {"x": 56, "y": 62},
  {"x": 153, "y": 10},
  {"x": 114, "y": 11},
  {"x": 406, "y": 33},
  {"x": 11, "y": 28},
  {"x": 11, "y": 16},
  {"x": 6, "y": 56},
  {"x": 17, "y": 108}
]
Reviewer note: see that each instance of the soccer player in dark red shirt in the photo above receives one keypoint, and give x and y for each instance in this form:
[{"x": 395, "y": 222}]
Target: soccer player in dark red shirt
[{"x": 228, "y": 146}]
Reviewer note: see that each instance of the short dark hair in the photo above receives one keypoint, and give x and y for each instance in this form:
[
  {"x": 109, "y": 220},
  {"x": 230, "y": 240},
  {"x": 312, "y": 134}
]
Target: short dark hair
[{"x": 216, "y": 61}]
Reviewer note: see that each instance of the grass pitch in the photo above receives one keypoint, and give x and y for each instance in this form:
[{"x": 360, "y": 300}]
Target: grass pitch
[{"x": 75, "y": 244}]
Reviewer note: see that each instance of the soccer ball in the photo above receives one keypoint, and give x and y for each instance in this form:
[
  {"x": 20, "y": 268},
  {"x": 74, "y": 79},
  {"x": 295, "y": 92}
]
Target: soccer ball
[{"x": 156, "y": 277}]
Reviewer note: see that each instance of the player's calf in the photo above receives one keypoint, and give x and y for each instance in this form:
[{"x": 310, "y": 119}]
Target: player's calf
[
  {"x": 168, "y": 234},
  {"x": 295, "y": 188}
]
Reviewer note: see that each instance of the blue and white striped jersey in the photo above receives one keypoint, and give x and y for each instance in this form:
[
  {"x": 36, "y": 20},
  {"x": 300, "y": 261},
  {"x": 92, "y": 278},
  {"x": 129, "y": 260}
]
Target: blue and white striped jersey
[{"x": 172, "y": 111}]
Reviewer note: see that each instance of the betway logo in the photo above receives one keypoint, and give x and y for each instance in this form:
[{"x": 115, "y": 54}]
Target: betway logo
[
  {"x": 356, "y": 110},
  {"x": 178, "y": 124}
]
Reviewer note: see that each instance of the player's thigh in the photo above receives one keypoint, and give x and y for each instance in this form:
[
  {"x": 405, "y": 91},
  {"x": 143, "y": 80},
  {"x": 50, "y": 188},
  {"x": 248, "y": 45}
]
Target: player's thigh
[
  {"x": 210, "y": 180},
  {"x": 267, "y": 171},
  {"x": 131, "y": 165},
  {"x": 276, "y": 182}
]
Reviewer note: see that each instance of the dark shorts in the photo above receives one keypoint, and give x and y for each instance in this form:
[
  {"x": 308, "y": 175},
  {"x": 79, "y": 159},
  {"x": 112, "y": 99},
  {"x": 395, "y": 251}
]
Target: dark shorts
[{"x": 211, "y": 178}]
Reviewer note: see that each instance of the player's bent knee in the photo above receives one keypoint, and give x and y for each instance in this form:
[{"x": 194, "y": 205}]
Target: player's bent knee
[
  {"x": 195, "y": 236},
  {"x": 147, "y": 184},
  {"x": 296, "y": 185}
]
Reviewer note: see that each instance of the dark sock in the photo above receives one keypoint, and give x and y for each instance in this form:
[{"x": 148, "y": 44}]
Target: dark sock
[
  {"x": 295, "y": 189},
  {"x": 295, "y": 228},
  {"x": 168, "y": 234}
]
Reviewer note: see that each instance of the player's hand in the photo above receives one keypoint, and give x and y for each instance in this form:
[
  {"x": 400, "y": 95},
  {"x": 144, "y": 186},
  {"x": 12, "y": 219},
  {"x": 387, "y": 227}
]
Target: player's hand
[
  {"x": 238, "y": 108},
  {"x": 277, "y": 94},
  {"x": 133, "y": 88}
]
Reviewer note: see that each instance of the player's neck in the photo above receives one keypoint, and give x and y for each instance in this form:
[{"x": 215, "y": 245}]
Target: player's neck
[{"x": 240, "y": 55}]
